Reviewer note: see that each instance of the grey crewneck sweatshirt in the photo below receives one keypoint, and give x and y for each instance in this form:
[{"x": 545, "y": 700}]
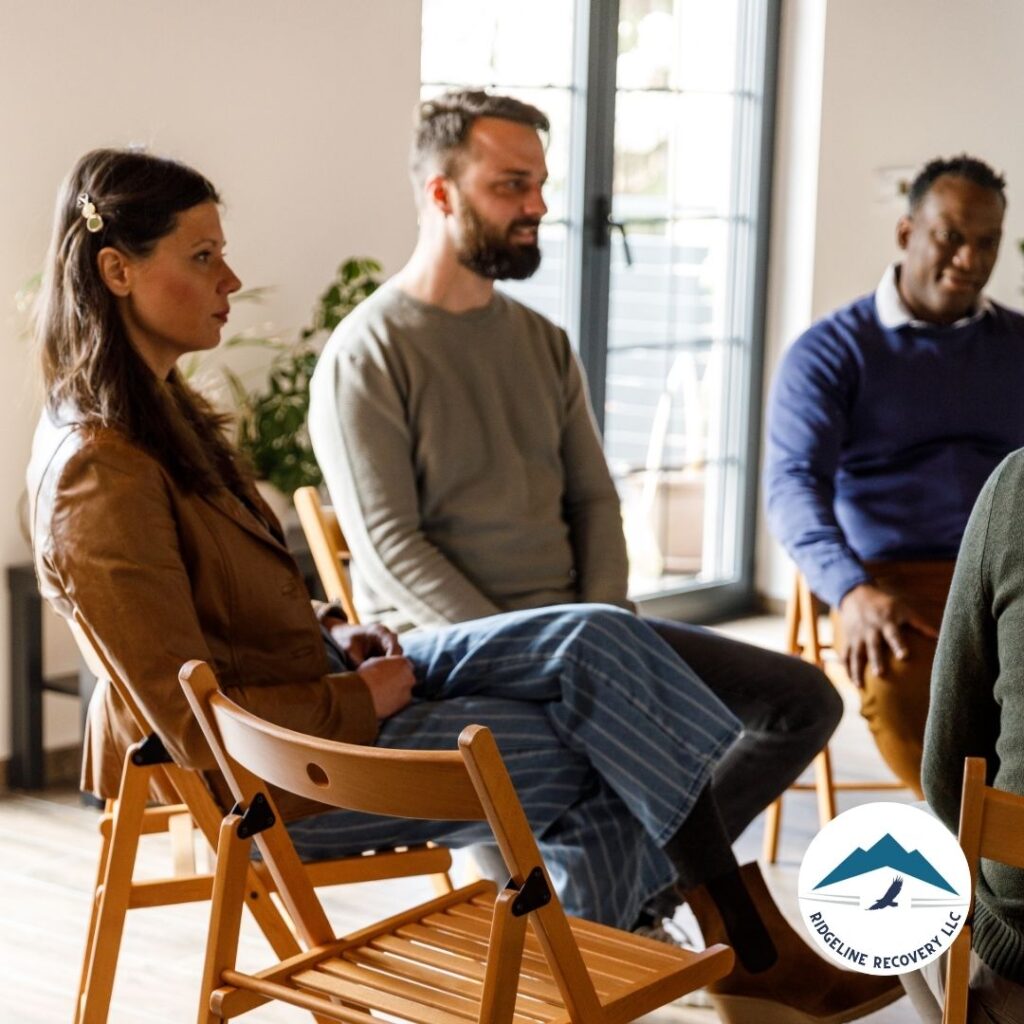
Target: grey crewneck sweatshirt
[{"x": 463, "y": 458}]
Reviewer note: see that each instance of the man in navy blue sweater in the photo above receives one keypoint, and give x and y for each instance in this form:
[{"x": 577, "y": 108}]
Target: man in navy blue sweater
[{"x": 885, "y": 419}]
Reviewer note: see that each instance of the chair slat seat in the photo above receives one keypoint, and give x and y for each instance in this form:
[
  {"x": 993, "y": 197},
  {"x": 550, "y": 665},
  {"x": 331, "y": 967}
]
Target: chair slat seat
[
  {"x": 414, "y": 1011},
  {"x": 608, "y": 948},
  {"x": 529, "y": 1011},
  {"x": 397, "y": 974},
  {"x": 434, "y": 974}
]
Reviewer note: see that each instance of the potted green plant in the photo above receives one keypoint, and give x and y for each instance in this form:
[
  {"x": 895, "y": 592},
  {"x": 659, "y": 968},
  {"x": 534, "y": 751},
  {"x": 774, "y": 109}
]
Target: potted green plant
[{"x": 272, "y": 418}]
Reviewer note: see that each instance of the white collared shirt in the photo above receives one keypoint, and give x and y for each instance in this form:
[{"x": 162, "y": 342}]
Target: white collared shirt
[{"x": 893, "y": 312}]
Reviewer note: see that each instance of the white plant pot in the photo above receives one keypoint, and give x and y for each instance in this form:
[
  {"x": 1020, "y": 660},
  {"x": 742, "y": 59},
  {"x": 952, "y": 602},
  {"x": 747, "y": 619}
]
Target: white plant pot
[{"x": 280, "y": 504}]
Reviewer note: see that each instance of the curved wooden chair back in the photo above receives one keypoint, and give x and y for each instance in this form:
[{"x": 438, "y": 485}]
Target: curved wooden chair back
[
  {"x": 328, "y": 546},
  {"x": 991, "y": 827},
  {"x": 471, "y": 784},
  {"x": 400, "y": 783},
  {"x": 358, "y": 970}
]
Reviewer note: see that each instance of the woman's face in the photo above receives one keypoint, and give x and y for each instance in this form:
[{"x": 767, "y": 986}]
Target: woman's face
[{"x": 176, "y": 299}]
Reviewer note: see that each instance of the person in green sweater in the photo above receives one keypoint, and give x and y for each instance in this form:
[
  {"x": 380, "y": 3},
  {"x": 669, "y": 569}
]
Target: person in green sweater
[{"x": 977, "y": 710}]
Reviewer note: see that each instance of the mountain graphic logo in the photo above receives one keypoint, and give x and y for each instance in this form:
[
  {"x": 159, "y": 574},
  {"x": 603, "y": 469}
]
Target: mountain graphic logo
[
  {"x": 886, "y": 853},
  {"x": 884, "y": 906}
]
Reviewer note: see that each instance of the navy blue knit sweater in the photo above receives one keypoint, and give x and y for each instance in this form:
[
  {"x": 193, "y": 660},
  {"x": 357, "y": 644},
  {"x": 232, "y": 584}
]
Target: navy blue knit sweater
[{"x": 879, "y": 440}]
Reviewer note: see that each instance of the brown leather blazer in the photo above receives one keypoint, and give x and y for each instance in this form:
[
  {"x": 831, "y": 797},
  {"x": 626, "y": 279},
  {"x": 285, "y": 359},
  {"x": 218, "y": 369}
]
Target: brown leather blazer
[{"x": 160, "y": 577}]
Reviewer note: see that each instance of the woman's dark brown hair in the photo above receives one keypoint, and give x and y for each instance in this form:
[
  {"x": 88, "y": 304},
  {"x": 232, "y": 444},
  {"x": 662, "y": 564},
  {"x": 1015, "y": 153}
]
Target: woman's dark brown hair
[{"x": 90, "y": 369}]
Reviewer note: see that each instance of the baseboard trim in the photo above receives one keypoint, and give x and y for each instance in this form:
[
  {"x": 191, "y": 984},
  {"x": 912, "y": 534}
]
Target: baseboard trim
[
  {"x": 772, "y": 605},
  {"x": 61, "y": 767}
]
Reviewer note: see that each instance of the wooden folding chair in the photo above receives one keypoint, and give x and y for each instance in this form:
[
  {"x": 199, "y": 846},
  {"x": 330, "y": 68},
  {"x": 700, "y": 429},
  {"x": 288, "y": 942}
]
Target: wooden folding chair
[
  {"x": 803, "y": 638},
  {"x": 332, "y": 558},
  {"x": 465, "y": 956},
  {"x": 328, "y": 546},
  {"x": 128, "y": 817},
  {"x": 991, "y": 826}
]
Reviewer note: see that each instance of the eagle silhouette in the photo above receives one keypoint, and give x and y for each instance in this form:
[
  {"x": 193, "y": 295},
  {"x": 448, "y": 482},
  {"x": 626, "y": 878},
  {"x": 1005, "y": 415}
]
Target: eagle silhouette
[{"x": 889, "y": 898}]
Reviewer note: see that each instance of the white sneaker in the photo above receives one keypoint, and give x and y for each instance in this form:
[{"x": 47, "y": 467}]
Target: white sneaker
[
  {"x": 685, "y": 921},
  {"x": 675, "y": 933}
]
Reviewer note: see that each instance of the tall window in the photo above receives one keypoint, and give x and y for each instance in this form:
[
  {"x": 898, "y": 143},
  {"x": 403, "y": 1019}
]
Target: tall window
[{"x": 653, "y": 249}]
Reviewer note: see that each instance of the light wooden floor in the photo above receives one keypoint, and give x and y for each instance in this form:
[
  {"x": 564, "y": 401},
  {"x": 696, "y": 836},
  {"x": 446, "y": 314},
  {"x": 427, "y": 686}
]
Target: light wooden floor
[{"x": 48, "y": 849}]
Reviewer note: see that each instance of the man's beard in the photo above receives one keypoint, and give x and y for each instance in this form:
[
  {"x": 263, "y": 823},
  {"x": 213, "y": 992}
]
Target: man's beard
[{"x": 490, "y": 254}]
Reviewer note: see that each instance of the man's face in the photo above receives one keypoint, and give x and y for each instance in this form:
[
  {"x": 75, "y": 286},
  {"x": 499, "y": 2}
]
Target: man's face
[
  {"x": 497, "y": 199},
  {"x": 950, "y": 243}
]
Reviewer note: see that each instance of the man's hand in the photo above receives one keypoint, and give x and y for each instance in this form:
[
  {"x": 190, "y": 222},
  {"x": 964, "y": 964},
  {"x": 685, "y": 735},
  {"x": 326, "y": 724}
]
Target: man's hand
[
  {"x": 871, "y": 621},
  {"x": 390, "y": 682},
  {"x": 361, "y": 642}
]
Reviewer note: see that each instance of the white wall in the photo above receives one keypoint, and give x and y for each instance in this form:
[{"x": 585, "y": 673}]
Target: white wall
[
  {"x": 298, "y": 112},
  {"x": 902, "y": 81}
]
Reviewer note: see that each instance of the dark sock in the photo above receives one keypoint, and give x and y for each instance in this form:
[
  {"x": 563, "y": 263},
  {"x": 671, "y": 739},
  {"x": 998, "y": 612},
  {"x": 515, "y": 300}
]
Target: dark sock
[
  {"x": 747, "y": 933},
  {"x": 703, "y": 855},
  {"x": 644, "y": 920}
]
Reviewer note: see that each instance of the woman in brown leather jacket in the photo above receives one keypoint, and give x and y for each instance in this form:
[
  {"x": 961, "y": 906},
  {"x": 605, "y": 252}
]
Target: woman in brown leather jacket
[{"x": 145, "y": 522}]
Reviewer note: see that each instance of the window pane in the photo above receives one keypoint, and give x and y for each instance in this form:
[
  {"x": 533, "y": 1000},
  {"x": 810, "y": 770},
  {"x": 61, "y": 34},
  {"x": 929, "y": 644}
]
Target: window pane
[
  {"x": 493, "y": 42},
  {"x": 685, "y": 181},
  {"x": 673, "y": 154},
  {"x": 526, "y": 52},
  {"x": 689, "y": 44}
]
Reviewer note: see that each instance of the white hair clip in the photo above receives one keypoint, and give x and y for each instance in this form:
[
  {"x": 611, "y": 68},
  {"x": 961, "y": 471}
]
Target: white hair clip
[{"x": 93, "y": 221}]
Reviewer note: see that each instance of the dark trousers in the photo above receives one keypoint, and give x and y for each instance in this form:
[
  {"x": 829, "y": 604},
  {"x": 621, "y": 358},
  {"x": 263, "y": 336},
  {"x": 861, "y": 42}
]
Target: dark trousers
[{"x": 788, "y": 709}]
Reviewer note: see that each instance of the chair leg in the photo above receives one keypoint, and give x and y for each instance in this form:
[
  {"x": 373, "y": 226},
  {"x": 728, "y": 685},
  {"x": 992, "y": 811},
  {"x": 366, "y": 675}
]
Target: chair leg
[
  {"x": 772, "y": 826},
  {"x": 183, "y": 851},
  {"x": 229, "y": 883},
  {"x": 113, "y": 896},
  {"x": 234, "y": 885},
  {"x": 257, "y": 892},
  {"x": 504, "y": 959},
  {"x": 825, "y": 786},
  {"x": 97, "y": 892},
  {"x": 272, "y": 923},
  {"x": 442, "y": 883}
]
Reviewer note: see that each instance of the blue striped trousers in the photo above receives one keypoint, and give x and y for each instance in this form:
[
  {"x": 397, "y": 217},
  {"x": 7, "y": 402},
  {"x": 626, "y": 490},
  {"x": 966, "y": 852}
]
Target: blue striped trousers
[{"x": 608, "y": 737}]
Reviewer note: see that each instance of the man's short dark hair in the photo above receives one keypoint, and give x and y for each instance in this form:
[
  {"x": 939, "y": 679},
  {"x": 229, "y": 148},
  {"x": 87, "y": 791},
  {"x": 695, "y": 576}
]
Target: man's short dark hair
[
  {"x": 444, "y": 122},
  {"x": 962, "y": 166}
]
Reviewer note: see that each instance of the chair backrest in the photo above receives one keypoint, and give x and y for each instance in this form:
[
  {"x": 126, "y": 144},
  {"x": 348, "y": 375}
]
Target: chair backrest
[
  {"x": 991, "y": 827},
  {"x": 328, "y": 546},
  {"x": 183, "y": 784},
  {"x": 401, "y": 783},
  {"x": 470, "y": 784},
  {"x": 171, "y": 776}
]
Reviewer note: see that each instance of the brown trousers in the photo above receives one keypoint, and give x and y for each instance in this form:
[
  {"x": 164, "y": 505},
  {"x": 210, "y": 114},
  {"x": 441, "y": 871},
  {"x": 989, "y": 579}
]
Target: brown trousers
[{"x": 895, "y": 705}]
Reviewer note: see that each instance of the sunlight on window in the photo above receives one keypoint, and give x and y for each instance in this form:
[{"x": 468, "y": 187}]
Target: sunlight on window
[
  {"x": 489, "y": 44},
  {"x": 685, "y": 170}
]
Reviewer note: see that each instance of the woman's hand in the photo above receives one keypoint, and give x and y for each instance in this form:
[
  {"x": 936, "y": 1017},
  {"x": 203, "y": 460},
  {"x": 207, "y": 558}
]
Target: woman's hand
[
  {"x": 390, "y": 681},
  {"x": 358, "y": 643}
]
